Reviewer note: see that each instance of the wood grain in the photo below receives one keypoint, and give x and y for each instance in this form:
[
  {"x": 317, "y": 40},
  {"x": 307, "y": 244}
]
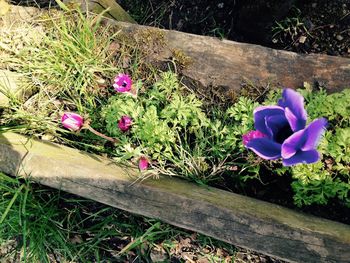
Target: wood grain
[
  {"x": 223, "y": 63},
  {"x": 216, "y": 62},
  {"x": 236, "y": 219}
]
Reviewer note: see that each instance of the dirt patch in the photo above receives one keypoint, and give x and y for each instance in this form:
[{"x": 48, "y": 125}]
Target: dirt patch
[
  {"x": 303, "y": 26},
  {"x": 317, "y": 26},
  {"x": 324, "y": 28}
]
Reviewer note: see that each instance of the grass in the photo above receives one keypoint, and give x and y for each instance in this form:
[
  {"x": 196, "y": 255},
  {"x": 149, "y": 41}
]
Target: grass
[
  {"x": 39, "y": 224},
  {"x": 290, "y": 28},
  {"x": 70, "y": 67}
]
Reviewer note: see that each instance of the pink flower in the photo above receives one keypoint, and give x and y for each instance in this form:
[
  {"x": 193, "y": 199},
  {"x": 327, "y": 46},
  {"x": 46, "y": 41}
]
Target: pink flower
[
  {"x": 122, "y": 83},
  {"x": 143, "y": 163},
  {"x": 72, "y": 121},
  {"x": 125, "y": 123},
  {"x": 252, "y": 135}
]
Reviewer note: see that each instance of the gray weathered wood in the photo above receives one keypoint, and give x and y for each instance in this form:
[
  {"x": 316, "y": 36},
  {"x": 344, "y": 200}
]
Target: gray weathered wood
[
  {"x": 214, "y": 62},
  {"x": 236, "y": 219}
]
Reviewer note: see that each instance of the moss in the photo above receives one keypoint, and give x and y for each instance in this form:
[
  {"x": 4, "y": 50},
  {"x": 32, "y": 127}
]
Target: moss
[
  {"x": 180, "y": 58},
  {"x": 150, "y": 40},
  {"x": 255, "y": 90}
]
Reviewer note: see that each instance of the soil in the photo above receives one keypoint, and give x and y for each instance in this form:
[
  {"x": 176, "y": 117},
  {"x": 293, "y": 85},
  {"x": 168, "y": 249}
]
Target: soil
[{"x": 318, "y": 26}]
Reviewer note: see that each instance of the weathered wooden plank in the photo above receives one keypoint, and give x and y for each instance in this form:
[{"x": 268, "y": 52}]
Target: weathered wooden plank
[
  {"x": 114, "y": 10},
  {"x": 236, "y": 219},
  {"x": 215, "y": 62},
  {"x": 222, "y": 63}
]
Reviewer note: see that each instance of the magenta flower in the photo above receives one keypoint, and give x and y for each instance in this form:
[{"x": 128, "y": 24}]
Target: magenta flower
[
  {"x": 252, "y": 135},
  {"x": 143, "y": 163},
  {"x": 125, "y": 123},
  {"x": 72, "y": 121},
  {"x": 122, "y": 83},
  {"x": 283, "y": 130}
]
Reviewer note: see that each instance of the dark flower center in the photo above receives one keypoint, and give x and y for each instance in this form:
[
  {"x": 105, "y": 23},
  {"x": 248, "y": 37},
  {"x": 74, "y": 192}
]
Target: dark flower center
[
  {"x": 283, "y": 133},
  {"x": 124, "y": 84}
]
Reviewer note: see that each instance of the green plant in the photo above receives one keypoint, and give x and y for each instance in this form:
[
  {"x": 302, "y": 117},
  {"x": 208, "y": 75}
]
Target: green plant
[
  {"x": 329, "y": 179},
  {"x": 290, "y": 27},
  {"x": 334, "y": 106},
  {"x": 339, "y": 146},
  {"x": 316, "y": 185},
  {"x": 171, "y": 127},
  {"x": 71, "y": 68},
  {"x": 39, "y": 224}
]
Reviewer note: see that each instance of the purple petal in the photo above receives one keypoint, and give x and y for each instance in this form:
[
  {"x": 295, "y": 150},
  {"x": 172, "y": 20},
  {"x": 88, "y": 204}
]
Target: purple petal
[
  {"x": 293, "y": 144},
  {"x": 295, "y": 123},
  {"x": 121, "y": 89},
  {"x": 314, "y": 132},
  {"x": 125, "y": 123},
  {"x": 293, "y": 103},
  {"x": 276, "y": 125},
  {"x": 260, "y": 114},
  {"x": 265, "y": 148},
  {"x": 311, "y": 156}
]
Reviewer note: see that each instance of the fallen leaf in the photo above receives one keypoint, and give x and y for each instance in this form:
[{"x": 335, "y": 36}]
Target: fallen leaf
[
  {"x": 302, "y": 39},
  {"x": 158, "y": 255}
]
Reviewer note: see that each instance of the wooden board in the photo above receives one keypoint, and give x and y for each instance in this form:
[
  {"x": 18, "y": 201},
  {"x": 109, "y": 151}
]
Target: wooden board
[
  {"x": 236, "y": 219},
  {"x": 220, "y": 63},
  {"x": 223, "y": 63}
]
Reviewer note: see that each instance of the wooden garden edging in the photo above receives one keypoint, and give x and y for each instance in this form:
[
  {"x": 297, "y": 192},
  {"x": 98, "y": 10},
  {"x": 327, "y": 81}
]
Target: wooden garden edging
[
  {"x": 236, "y": 219},
  {"x": 213, "y": 62},
  {"x": 222, "y": 63}
]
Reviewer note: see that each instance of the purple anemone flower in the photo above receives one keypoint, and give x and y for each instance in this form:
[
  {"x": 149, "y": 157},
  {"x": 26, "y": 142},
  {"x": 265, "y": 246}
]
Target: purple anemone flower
[
  {"x": 122, "y": 83},
  {"x": 282, "y": 131},
  {"x": 124, "y": 123}
]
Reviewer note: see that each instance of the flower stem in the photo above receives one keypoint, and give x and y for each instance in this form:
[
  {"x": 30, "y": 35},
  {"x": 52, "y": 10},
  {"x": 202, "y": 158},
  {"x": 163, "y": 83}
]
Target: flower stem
[{"x": 87, "y": 126}]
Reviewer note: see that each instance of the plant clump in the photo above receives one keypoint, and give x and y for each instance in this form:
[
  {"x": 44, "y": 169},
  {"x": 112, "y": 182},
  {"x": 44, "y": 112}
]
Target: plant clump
[{"x": 114, "y": 103}]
